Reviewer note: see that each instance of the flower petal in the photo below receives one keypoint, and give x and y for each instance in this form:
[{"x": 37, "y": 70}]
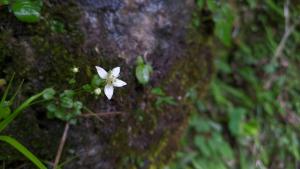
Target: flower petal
[
  {"x": 116, "y": 71},
  {"x": 101, "y": 72},
  {"x": 109, "y": 91},
  {"x": 119, "y": 83}
]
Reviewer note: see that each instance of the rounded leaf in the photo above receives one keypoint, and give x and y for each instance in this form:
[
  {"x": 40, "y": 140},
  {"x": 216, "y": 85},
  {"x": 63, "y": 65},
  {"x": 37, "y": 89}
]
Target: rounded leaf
[
  {"x": 27, "y": 10},
  {"x": 49, "y": 94},
  {"x": 142, "y": 73},
  {"x": 66, "y": 102}
]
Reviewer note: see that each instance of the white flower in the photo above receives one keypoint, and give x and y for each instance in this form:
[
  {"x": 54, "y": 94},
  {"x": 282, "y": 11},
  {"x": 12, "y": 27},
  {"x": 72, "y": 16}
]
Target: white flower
[
  {"x": 97, "y": 91},
  {"x": 112, "y": 80},
  {"x": 75, "y": 69}
]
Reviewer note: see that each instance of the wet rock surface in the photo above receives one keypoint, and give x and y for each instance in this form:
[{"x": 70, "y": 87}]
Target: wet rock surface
[{"x": 108, "y": 33}]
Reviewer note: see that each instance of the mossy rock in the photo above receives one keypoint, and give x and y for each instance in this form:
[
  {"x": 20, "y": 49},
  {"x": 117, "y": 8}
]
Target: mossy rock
[{"x": 107, "y": 33}]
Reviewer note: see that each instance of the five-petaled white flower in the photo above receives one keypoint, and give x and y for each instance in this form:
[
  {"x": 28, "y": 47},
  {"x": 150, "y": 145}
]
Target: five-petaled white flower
[{"x": 111, "y": 79}]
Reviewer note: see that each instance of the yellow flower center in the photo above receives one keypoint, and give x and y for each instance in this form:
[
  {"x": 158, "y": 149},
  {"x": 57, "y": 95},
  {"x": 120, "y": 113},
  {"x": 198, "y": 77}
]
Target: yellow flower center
[{"x": 110, "y": 78}]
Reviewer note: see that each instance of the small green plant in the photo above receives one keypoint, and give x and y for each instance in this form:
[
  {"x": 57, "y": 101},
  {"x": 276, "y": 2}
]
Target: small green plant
[
  {"x": 64, "y": 107},
  {"x": 143, "y": 71},
  {"x": 254, "y": 96},
  {"x": 7, "y": 115},
  {"x": 25, "y": 10}
]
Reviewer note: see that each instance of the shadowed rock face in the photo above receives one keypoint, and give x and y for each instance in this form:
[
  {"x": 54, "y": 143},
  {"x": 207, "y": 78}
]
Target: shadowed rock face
[
  {"x": 108, "y": 33},
  {"x": 136, "y": 27}
]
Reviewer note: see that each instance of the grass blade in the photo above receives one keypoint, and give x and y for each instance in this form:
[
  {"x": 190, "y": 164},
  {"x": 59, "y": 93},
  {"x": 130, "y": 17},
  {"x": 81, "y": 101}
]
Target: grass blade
[
  {"x": 7, "y": 89},
  {"x": 14, "y": 96},
  {"x": 14, "y": 143},
  {"x": 15, "y": 113}
]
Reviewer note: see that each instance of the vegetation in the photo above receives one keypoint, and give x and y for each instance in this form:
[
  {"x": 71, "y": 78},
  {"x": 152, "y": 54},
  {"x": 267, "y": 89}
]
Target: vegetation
[
  {"x": 143, "y": 71},
  {"x": 250, "y": 116},
  {"x": 7, "y": 116},
  {"x": 25, "y": 10}
]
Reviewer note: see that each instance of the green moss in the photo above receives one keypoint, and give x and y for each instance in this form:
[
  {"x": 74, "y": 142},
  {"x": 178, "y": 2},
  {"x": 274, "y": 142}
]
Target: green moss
[
  {"x": 55, "y": 51},
  {"x": 34, "y": 52}
]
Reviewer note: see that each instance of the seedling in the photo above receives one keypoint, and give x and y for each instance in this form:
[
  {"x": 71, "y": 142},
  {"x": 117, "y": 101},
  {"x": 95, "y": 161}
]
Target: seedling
[{"x": 143, "y": 71}]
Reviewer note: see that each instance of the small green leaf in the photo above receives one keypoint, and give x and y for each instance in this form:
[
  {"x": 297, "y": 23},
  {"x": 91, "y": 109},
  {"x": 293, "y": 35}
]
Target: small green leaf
[
  {"x": 27, "y": 10},
  {"x": 96, "y": 81},
  {"x": 49, "y": 94},
  {"x": 199, "y": 124},
  {"x": 51, "y": 107},
  {"x": 78, "y": 105},
  {"x": 143, "y": 71},
  {"x": 66, "y": 109},
  {"x": 66, "y": 99},
  {"x": 66, "y": 102},
  {"x": 224, "y": 19},
  {"x": 68, "y": 93},
  {"x": 87, "y": 88},
  {"x": 60, "y": 114},
  {"x": 251, "y": 128},
  {"x": 236, "y": 117},
  {"x": 158, "y": 91},
  {"x": 201, "y": 144}
]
